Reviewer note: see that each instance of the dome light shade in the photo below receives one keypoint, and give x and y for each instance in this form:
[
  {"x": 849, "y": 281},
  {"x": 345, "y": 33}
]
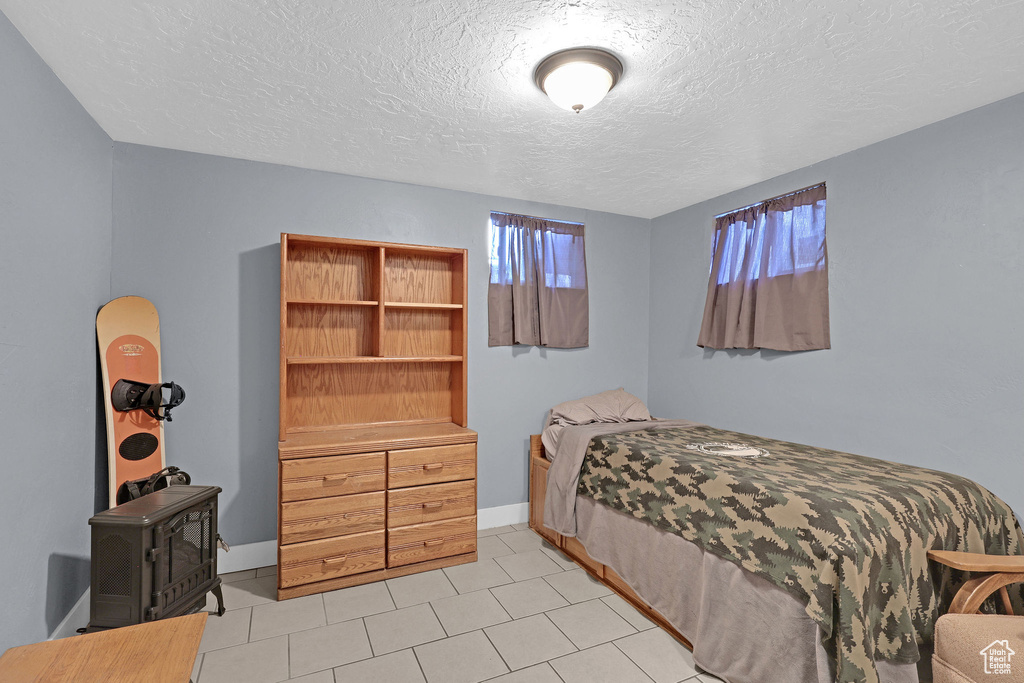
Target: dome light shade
[{"x": 578, "y": 78}]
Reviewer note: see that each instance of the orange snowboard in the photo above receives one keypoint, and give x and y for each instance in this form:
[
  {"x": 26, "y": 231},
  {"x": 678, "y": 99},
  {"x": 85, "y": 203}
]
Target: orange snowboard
[{"x": 128, "y": 330}]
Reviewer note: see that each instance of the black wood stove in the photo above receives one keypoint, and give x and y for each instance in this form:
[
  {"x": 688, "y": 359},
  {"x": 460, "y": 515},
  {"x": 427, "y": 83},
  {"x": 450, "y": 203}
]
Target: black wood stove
[{"x": 154, "y": 557}]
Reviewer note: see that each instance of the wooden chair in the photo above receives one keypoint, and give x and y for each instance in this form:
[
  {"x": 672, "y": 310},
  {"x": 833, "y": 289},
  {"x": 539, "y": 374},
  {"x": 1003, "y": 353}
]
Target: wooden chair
[{"x": 990, "y": 573}]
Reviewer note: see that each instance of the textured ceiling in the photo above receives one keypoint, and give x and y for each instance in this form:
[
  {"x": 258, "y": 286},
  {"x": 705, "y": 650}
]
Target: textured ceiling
[{"x": 715, "y": 96}]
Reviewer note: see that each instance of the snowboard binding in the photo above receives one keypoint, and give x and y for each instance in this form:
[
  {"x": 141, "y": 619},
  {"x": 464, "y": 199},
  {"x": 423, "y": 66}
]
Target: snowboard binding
[
  {"x": 128, "y": 395},
  {"x": 169, "y": 476}
]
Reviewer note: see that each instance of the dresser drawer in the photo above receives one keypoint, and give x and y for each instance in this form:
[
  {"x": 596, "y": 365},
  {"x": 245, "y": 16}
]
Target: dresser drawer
[
  {"x": 417, "y": 466},
  {"x": 431, "y": 503},
  {"x": 331, "y": 558},
  {"x": 334, "y": 475},
  {"x": 421, "y": 542},
  {"x": 307, "y": 520}
]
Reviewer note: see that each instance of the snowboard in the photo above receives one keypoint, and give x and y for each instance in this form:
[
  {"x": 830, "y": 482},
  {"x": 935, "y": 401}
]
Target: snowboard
[{"x": 128, "y": 331}]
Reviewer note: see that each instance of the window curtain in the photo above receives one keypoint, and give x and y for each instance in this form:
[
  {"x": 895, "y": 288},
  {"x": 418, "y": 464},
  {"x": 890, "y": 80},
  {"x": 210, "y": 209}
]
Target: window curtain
[
  {"x": 538, "y": 286},
  {"x": 768, "y": 287}
]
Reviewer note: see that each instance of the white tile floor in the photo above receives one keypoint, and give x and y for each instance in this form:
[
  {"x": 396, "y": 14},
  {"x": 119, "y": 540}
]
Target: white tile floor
[{"x": 523, "y": 613}]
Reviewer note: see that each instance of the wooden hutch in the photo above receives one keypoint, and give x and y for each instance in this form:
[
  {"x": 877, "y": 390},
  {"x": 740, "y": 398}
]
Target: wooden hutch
[{"x": 377, "y": 470}]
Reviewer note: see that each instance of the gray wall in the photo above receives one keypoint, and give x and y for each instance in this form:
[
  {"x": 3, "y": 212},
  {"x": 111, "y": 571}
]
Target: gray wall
[
  {"x": 55, "y": 184},
  {"x": 199, "y": 236},
  {"x": 925, "y": 241},
  {"x": 926, "y": 246}
]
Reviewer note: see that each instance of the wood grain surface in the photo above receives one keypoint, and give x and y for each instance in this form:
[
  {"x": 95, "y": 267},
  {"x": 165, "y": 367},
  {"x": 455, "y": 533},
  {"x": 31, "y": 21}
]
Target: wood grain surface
[
  {"x": 158, "y": 652},
  {"x": 413, "y": 277},
  {"x": 324, "y": 273},
  {"x": 421, "y": 542},
  {"x": 329, "y": 330},
  {"x": 409, "y": 332},
  {"x": 431, "y": 503},
  {"x": 371, "y": 576},
  {"x": 418, "y": 466},
  {"x": 330, "y": 476},
  {"x": 321, "y": 395},
  {"x": 364, "y": 438},
  {"x": 331, "y": 558},
  {"x": 308, "y": 520},
  {"x": 373, "y": 346}
]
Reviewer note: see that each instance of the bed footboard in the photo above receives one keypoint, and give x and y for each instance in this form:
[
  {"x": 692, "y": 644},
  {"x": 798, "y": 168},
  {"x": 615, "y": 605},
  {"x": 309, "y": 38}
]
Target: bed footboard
[{"x": 574, "y": 549}]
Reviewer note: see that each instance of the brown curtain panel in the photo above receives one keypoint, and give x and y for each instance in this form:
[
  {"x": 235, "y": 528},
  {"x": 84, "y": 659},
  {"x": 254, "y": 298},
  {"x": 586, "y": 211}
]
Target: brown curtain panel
[
  {"x": 769, "y": 277},
  {"x": 538, "y": 286}
]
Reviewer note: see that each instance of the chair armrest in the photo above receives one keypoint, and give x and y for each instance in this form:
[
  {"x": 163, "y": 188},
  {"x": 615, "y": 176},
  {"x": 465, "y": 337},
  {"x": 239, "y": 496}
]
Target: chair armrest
[{"x": 978, "y": 562}]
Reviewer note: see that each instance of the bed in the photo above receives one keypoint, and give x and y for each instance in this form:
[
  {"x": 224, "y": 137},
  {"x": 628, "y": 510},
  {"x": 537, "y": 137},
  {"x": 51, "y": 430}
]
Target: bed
[{"x": 667, "y": 513}]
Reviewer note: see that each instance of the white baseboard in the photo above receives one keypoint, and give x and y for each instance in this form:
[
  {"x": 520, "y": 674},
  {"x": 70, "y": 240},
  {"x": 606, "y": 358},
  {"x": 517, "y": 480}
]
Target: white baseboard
[
  {"x": 264, "y": 553},
  {"x": 77, "y": 618},
  {"x": 488, "y": 518},
  {"x": 247, "y": 556}
]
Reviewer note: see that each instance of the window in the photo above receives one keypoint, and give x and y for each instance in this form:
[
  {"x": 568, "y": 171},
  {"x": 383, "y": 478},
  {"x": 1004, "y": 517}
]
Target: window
[
  {"x": 537, "y": 292},
  {"x": 564, "y": 263},
  {"x": 796, "y": 246},
  {"x": 768, "y": 280}
]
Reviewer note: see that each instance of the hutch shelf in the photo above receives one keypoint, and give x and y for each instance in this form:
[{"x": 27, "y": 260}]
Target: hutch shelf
[{"x": 377, "y": 470}]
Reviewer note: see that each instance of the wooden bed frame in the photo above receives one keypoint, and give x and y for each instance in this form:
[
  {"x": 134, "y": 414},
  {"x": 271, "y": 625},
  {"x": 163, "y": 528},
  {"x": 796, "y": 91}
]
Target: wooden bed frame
[{"x": 575, "y": 550}]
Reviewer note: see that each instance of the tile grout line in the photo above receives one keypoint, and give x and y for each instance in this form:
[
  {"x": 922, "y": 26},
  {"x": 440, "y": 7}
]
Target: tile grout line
[
  {"x": 358, "y": 661},
  {"x": 615, "y": 643},
  {"x": 449, "y": 583},
  {"x": 490, "y": 589},
  {"x": 564, "y": 634},
  {"x": 502, "y": 570},
  {"x": 498, "y": 536},
  {"x": 547, "y": 661},
  {"x": 298, "y": 630},
  {"x": 583, "y": 602},
  {"x": 390, "y": 595},
  {"x": 594, "y": 647},
  {"x": 366, "y": 632},
  {"x": 439, "y": 622},
  {"x": 394, "y": 608},
  {"x": 332, "y": 668},
  {"x": 354, "y": 661},
  {"x": 417, "y": 658},
  {"x": 426, "y": 642},
  {"x": 532, "y": 614},
  {"x": 501, "y": 606},
  {"x": 373, "y": 652},
  {"x": 500, "y": 656},
  {"x": 555, "y": 588}
]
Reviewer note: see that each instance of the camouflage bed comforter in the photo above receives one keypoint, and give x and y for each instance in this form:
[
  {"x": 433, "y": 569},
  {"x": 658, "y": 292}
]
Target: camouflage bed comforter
[{"x": 845, "y": 534}]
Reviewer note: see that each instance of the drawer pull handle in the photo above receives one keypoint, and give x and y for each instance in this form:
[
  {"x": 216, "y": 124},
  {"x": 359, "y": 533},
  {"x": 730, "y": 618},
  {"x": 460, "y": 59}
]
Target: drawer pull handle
[
  {"x": 433, "y": 542},
  {"x": 335, "y": 478},
  {"x": 433, "y": 506},
  {"x": 328, "y": 562},
  {"x": 433, "y": 466}
]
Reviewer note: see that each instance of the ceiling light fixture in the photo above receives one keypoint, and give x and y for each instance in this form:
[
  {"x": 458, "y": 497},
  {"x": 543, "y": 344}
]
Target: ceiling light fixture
[{"x": 578, "y": 78}]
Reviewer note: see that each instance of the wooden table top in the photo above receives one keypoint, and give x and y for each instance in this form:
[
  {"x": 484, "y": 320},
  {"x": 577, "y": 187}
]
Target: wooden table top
[{"x": 157, "y": 652}]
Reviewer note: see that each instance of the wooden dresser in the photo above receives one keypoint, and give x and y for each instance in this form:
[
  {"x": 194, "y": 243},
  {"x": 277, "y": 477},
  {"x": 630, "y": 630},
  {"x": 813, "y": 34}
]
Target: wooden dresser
[{"x": 377, "y": 470}]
